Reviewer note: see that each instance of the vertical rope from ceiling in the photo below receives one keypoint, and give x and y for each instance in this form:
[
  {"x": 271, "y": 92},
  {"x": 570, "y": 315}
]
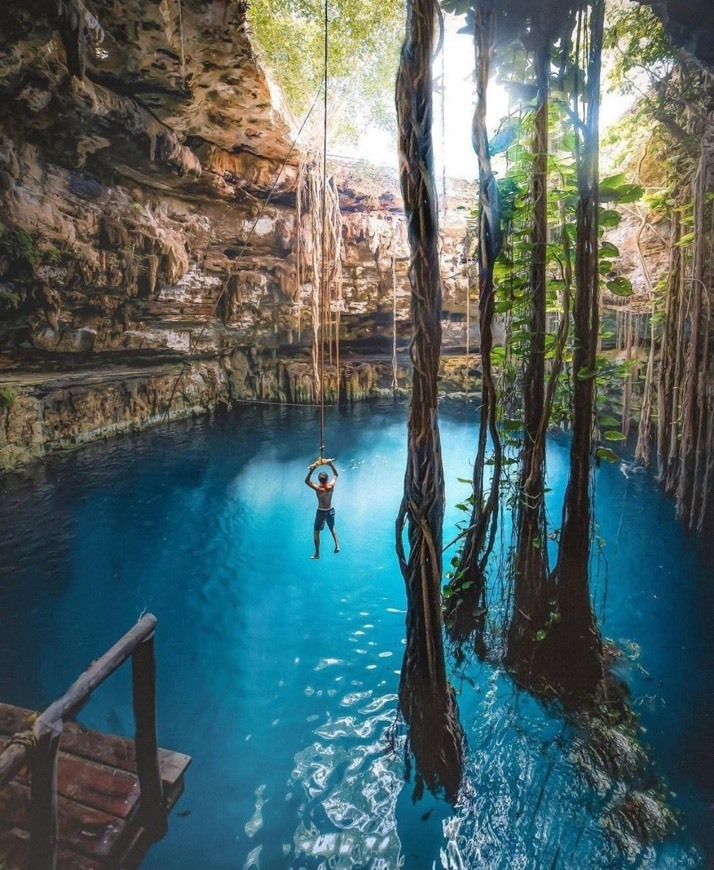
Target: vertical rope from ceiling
[
  {"x": 323, "y": 264},
  {"x": 394, "y": 309},
  {"x": 468, "y": 332}
]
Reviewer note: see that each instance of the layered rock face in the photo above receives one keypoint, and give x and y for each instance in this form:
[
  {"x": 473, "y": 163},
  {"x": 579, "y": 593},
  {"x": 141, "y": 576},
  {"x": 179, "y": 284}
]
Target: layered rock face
[{"x": 152, "y": 259}]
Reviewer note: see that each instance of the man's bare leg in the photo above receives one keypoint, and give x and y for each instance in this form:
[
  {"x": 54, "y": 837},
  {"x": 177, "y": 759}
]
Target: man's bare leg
[
  {"x": 316, "y": 536},
  {"x": 337, "y": 543}
]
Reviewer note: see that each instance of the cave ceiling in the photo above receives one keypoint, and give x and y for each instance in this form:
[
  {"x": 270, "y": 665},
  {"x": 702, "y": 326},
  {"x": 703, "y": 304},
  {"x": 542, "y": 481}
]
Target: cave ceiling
[{"x": 162, "y": 92}]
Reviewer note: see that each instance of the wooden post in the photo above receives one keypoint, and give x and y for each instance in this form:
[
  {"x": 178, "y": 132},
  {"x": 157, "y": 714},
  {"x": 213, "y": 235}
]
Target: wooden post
[
  {"x": 43, "y": 800},
  {"x": 152, "y": 805}
]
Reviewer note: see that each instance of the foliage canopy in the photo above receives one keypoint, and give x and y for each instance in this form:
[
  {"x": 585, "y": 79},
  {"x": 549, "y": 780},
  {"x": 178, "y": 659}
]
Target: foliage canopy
[{"x": 364, "y": 41}]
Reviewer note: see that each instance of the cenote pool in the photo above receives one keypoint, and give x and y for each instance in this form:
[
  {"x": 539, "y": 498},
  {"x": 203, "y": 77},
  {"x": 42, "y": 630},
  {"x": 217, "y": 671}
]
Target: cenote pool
[{"x": 279, "y": 674}]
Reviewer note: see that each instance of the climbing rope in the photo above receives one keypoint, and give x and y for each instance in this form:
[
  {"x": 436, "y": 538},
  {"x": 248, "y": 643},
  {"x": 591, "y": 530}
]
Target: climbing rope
[
  {"x": 443, "y": 129},
  {"x": 394, "y": 311},
  {"x": 323, "y": 265},
  {"x": 468, "y": 334},
  {"x": 28, "y": 739}
]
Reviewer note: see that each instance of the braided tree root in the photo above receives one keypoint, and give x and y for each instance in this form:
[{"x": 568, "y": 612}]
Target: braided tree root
[{"x": 426, "y": 699}]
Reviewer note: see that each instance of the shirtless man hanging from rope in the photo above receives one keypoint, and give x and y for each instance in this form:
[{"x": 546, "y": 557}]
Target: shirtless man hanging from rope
[{"x": 325, "y": 511}]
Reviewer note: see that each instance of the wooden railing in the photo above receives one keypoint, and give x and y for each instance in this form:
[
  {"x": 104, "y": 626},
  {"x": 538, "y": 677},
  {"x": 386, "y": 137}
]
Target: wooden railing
[{"x": 38, "y": 747}]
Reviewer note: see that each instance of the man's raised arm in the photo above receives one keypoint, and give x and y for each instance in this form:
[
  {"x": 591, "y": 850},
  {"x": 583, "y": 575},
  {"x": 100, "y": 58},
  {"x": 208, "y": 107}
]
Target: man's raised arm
[{"x": 310, "y": 469}]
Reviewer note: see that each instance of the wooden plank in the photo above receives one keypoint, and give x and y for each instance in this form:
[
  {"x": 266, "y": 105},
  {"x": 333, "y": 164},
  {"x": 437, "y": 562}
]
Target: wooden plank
[
  {"x": 108, "y": 749},
  {"x": 116, "y": 752},
  {"x": 141, "y": 840},
  {"x": 15, "y": 850},
  {"x": 14, "y": 845},
  {"x": 119, "y": 752},
  {"x": 98, "y": 796},
  {"x": 108, "y": 789},
  {"x": 112, "y": 791},
  {"x": 172, "y": 765},
  {"x": 83, "y": 829},
  {"x": 132, "y": 848}
]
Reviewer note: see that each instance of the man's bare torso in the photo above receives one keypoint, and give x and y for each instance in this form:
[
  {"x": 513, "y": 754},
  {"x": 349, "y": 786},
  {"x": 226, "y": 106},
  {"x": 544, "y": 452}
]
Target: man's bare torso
[{"x": 324, "y": 495}]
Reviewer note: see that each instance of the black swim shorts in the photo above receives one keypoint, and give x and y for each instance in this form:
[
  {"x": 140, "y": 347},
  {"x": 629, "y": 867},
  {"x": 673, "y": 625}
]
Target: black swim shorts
[{"x": 322, "y": 517}]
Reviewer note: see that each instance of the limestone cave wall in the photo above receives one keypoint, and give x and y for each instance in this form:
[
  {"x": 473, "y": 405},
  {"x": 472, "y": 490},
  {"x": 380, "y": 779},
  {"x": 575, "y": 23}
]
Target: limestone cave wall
[{"x": 148, "y": 228}]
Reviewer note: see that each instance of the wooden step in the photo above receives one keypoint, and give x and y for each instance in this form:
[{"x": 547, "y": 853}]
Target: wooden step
[{"x": 98, "y": 798}]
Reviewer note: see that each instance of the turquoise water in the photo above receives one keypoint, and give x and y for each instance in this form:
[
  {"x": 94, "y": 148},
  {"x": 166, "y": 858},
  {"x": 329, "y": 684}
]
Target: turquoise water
[{"x": 279, "y": 674}]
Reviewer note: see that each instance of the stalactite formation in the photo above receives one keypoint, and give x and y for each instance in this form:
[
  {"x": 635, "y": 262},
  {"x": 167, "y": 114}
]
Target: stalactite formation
[{"x": 326, "y": 283}]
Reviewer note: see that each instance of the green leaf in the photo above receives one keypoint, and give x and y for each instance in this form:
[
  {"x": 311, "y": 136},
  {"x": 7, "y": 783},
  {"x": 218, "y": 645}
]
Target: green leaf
[
  {"x": 614, "y": 180},
  {"x": 613, "y": 435},
  {"x": 609, "y": 217},
  {"x": 512, "y": 425},
  {"x": 464, "y": 480},
  {"x": 498, "y": 355},
  {"x": 685, "y": 240},
  {"x": 607, "y": 249},
  {"x": 607, "y": 454},
  {"x": 621, "y": 193},
  {"x": 7, "y": 398},
  {"x": 620, "y": 286},
  {"x": 608, "y": 420},
  {"x": 585, "y": 373},
  {"x": 541, "y": 635}
]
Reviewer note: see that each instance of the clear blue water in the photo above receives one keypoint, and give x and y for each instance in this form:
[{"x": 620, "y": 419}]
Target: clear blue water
[{"x": 279, "y": 674}]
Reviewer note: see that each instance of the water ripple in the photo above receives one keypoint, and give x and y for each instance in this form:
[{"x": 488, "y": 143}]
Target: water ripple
[{"x": 352, "y": 779}]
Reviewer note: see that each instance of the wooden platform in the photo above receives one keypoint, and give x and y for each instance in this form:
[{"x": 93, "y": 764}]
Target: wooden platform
[{"x": 98, "y": 793}]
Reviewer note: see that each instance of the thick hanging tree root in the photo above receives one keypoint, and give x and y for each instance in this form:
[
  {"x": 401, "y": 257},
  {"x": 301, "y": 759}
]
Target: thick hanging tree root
[
  {"x": 554, "y": 646},
  {"x": 572, "y": 645},
  {"x": 531, "y": 570},
  {"x": 426, "y": 699},
  {"x": 465, "y": 608}
]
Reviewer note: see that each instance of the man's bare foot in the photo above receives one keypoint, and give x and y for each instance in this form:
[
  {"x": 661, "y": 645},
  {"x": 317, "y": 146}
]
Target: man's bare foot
[
  {"x": 337, "y": 549},
  {"x": 315, "y": 556}
]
